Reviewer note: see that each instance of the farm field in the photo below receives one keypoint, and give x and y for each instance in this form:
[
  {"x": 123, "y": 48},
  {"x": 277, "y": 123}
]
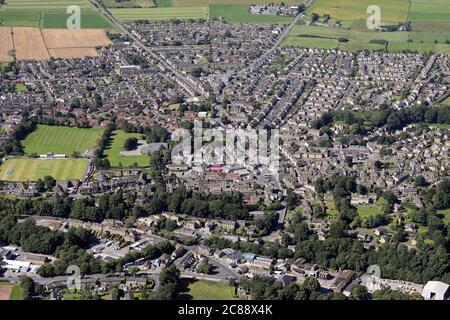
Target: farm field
[
  {"x": 159, "y": 14},
  {"x": 29, "y": 44},
  {"x": 29, "y": 169},
  {"x": 7, "y": 44},
  {"x": 61, "y": 140},
  {"x": 239, "y": 13},
  {"x": 40, "y": 44},
  {"x": 429, "y": 11},
  {"x": 206, "y": 290},
  {"x": 91, "y": 20},
  {"x": 49, "y": 14},
  {"x": 359, "y": 40},
  {"x": 391, "y": 10},
  {"x": 80, "y": 38},
  {"x": 446, "y": 102},
  {"x": 309, "y": 42},
  {"x": 129, "y": 3},
  {"x": 180, "y": 3},
  {"x": 113, "y": 151}
]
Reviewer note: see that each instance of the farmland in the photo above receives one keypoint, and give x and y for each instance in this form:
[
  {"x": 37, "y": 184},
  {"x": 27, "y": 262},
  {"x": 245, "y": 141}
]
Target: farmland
[
  {"x": 7, "y": 44},
  {"x": 391, "y": 10},
  {"x": 28, "y": 169},
  {"x": 112, "y": 153},
  {"x": 188, "y": 3},
  {"x": 49, "y": 14},
  {"x": 429, "y": 11},
  {"x": 157, "y": 14},
  {"x": 239, "y": 13},
  {"x": 359, "y": 40},
  {"x": 41, "y": 44},
  {"x": 61, "y": 140},
  {"x": 129, "y": 4}
]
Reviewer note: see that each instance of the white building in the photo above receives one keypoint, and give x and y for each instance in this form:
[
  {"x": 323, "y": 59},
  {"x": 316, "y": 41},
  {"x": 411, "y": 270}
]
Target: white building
[{"x": 436, "y": 290}]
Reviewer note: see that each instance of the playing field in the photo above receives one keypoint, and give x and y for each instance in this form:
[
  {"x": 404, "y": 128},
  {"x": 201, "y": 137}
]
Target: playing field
[
  {"x": 61, "y": 140},
  {"x": 206, "y": 290},
  {"x": 28, "y": 169},
  {"x": 309, "y": 42},
  {"x": 240, "y": 13},
  {"x": 7, "y": 44},
  {"x": 391, "y": 10},
  {"x": 113, "y": 151},
  {"x": 157, "y": 14},
  {"x": 10, "y": 291}
]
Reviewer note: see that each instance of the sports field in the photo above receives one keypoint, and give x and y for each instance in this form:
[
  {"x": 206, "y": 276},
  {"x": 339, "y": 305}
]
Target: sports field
[
  {"x": 28, "y": 169},
  {"x": 206, "y": 290},
  {"x": 157, "y": 14},
  {"x": 240, "y": 13},
  {"x": 10, "y": 291},
  {"x": 61, "y": 140},
  {"x": 113, "y": 151}
]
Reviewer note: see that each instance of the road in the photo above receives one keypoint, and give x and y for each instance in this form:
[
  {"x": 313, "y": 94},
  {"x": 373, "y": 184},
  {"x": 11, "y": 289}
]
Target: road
[
  {"x": 182, "y": 80},
  {"x": 262, "y": 59}
]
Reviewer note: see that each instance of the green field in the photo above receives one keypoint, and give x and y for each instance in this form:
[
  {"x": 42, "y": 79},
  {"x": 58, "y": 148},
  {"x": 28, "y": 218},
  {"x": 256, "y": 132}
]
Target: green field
[
  {"x": 88, "y": 21},
  {"x": 446, "y": 215},
  {"x": 427, "y": 11},
  {"x": 188, "y": 3},
  {"x": 366, "y": 211},
  {"x": 240, "y": 13},
  {"x": 206, "y": 290},
  {"x": 28, "y": 169},
  {"x": 49, "y": 14},
  {"x": 61, "y": 140},
  {"x": 129, "y": 3},
  {"x": 322, "y": 37},
  {"x": 113, "y": 151},
  {"x": 446, "y": 102},
  {"x": 16, "y": 293},
  {"x": 391, "y": 10},
  {"x": 19, "y": 19},
  {"x": 161, "y": 14}
]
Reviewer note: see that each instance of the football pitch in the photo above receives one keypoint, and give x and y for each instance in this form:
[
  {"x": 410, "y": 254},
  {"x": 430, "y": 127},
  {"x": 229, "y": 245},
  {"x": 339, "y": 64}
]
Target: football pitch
[
  {"x": 61, "y": 140},
  {"x": 27, "y": 169}
]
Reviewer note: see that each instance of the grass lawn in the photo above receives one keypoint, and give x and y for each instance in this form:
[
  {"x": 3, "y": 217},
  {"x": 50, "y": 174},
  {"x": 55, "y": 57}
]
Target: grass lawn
[
  {"x": 28, "y": 169},
  {"x": 206, "y": 290},
  {"x": 446, "y": 102},
  {"x": 61, "y": 140},
  {"x": 366, "y": 211},
  {"x": 391, "y": 10},
  {"x": 446, "y": 214},
  {"x": 20, "y": 87},
  {"x": 240, "y": 13},
  {"x": 158, "y": 14},
  {"x": 113, "y": 151},
  {"x": 16, "y": 293}
]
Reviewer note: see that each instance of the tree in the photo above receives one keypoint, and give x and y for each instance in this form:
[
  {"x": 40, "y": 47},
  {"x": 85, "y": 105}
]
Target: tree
[
  {"x": 50, "y": 182},
  {"x": 130, "y": 144},
  {"x": 204, "y": 267},
  {"x": 28, "y": 287},
  {"x": 314, "y": 17},
  {"x": 359, "y": 292}
]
